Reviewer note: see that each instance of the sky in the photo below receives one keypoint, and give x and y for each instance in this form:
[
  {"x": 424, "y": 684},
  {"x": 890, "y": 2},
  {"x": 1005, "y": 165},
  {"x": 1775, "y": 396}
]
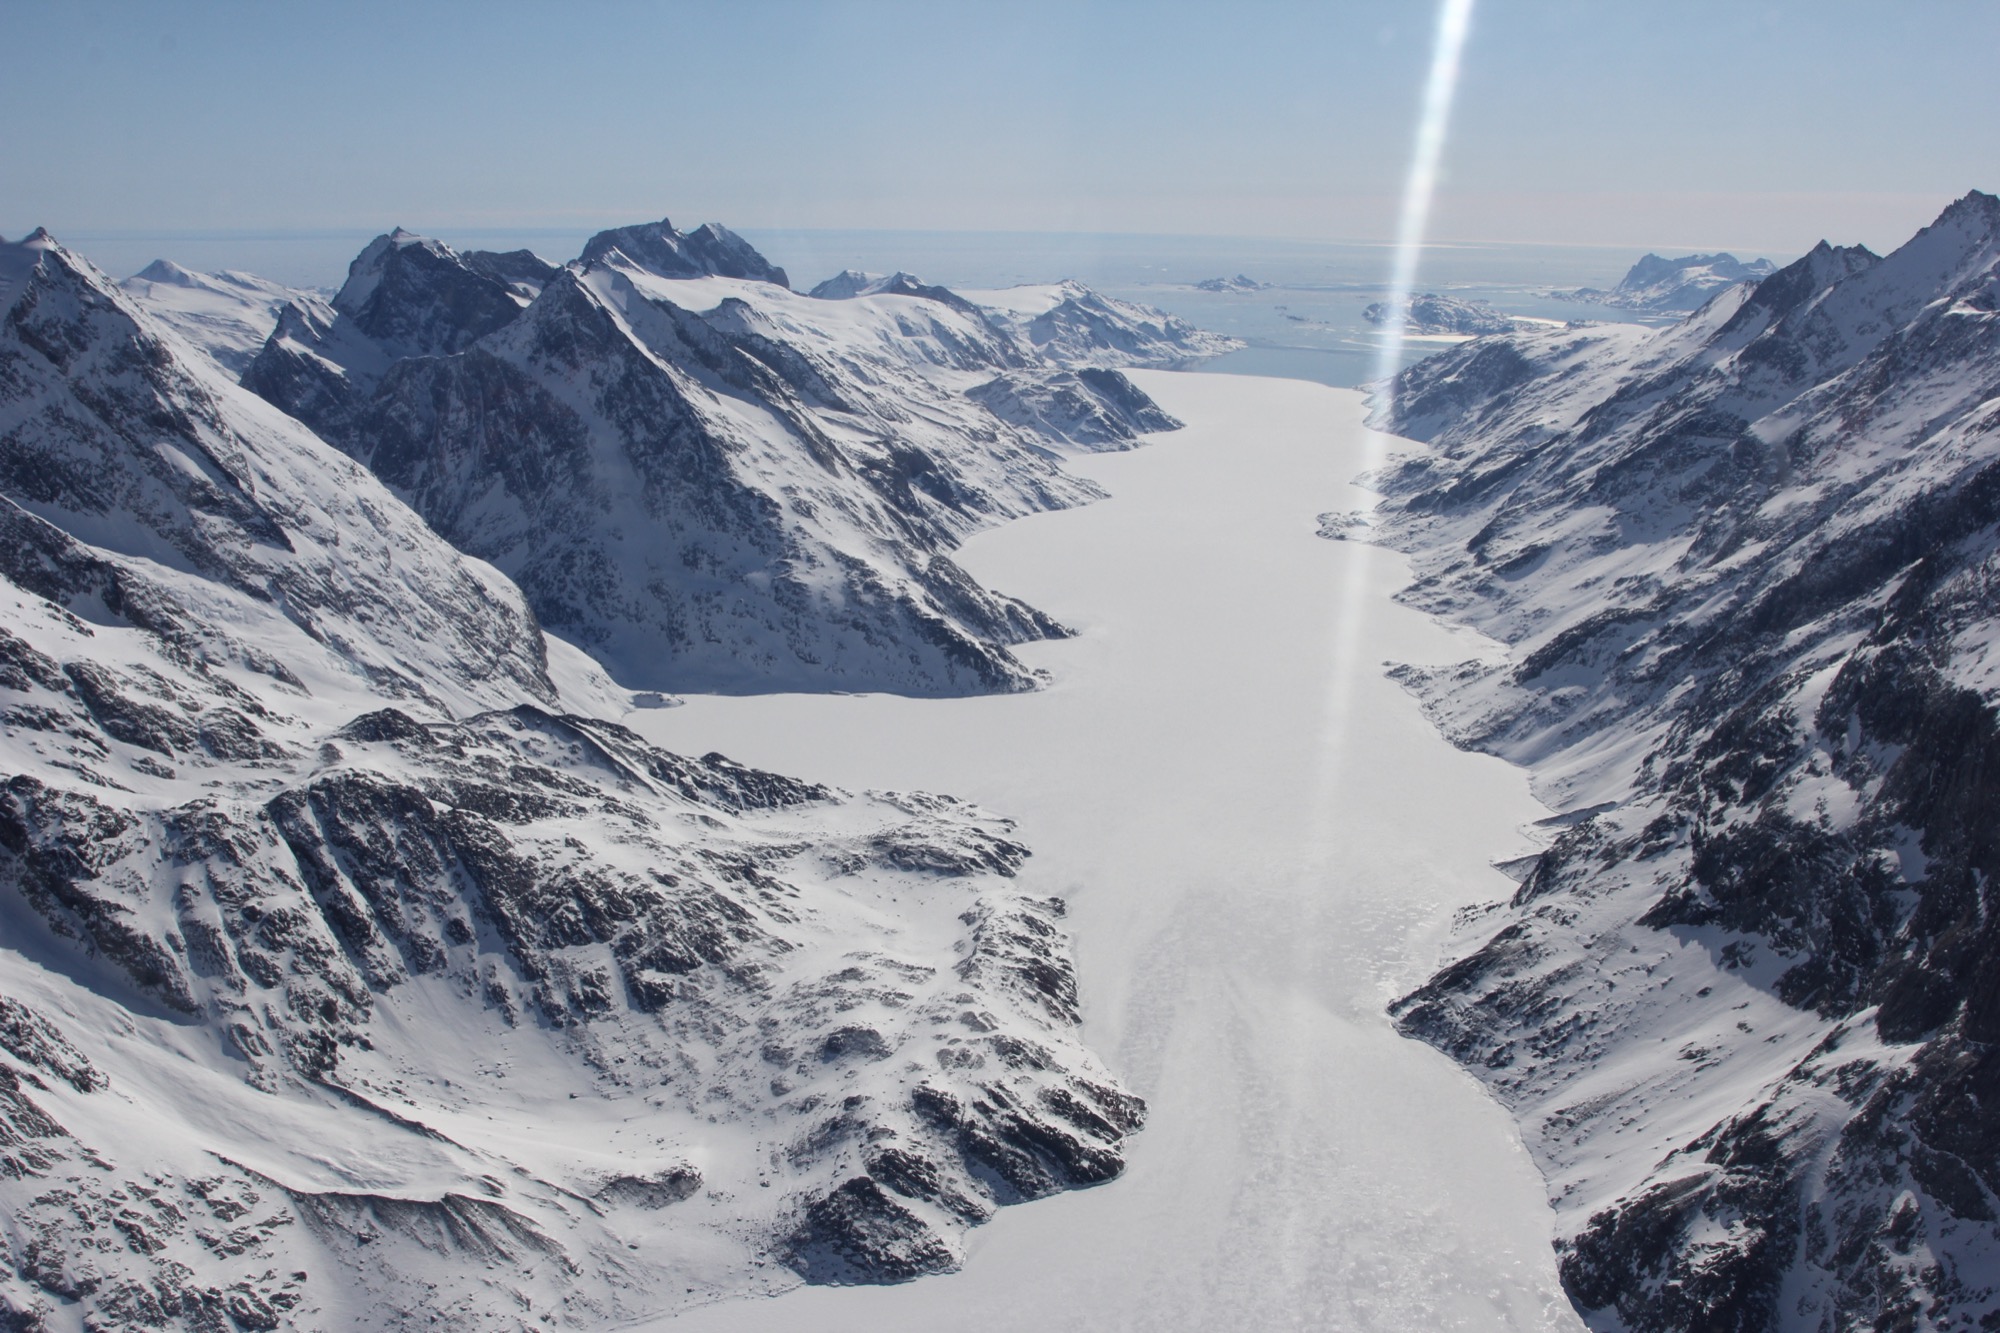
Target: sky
[{"x": 1684, "y": 125}]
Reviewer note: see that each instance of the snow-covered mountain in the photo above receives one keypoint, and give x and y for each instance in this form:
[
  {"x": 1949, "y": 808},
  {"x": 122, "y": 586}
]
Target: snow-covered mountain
[
  {"x": 1434, "y": 314},
  {"x": 710, "y": 482},
  {"x": 1744, "y": 1004},
  {"x": 359, "y": 971},
  {"x": 1661, "y": 286},
  {"x": 850, "y": 283},
  {"x": 709, "y": 251},
  {"x": 1077, "y": 327},
  {"x": 228, "y": 315}
]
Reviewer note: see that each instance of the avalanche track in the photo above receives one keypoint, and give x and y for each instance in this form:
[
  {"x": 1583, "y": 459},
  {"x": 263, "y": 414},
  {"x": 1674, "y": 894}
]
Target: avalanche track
[{"x": 1261, "y": 842}]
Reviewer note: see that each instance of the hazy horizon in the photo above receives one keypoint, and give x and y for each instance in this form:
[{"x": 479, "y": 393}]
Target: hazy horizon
[{"x": 1697, "y": 127}]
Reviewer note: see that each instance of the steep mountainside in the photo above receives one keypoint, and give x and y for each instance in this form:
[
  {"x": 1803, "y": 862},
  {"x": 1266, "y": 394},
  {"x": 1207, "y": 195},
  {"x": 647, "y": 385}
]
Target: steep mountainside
[
  {"x": 356, "y": 975},
  {"x": 1745, "y": 1005},
  {"x": 707, "y": 480}
]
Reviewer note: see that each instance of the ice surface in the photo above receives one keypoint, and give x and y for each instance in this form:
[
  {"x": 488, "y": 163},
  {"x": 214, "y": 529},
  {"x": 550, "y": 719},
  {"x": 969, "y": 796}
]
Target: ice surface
[{"x": 1261, "y": 841}]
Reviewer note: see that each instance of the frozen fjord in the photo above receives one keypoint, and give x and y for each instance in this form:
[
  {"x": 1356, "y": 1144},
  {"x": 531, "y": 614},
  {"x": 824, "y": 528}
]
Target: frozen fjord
[{"x": 1261, "y": 842}]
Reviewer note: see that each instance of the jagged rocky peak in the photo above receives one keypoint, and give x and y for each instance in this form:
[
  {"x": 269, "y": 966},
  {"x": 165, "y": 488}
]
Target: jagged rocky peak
[
  {"x": 524, "y": 271},
  {"x": 810, "y": 508},
  {"x": 405, "y": 296},
  {"x": 1743, "y": 1005},
  {"x": 415, "y": 296},
  {"x": 709, "y": 250},
  {"x": 19, "y": 258},
  {"x": 810, "y": 463}
]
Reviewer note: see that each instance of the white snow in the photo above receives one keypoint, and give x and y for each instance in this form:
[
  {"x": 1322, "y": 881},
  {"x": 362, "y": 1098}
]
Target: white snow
[
  {"x": 1261, "y": 841},
  {"x": 226, "y": 315}
]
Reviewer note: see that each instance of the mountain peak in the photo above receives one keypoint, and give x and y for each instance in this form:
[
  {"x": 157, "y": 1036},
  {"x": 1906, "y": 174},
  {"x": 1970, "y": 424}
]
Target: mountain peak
[
  {"x": 1973, "y": 204},
  {"x": 1970, "y": 224},
  {"x": 168, "y": 272},
  {"x": 710, "y": 250},
  {"x": 846, "y": 284},
  {"x": 418, "y": 296},
  {"x": 850, "y": 283},
  {"x": 20, "y": 258}
]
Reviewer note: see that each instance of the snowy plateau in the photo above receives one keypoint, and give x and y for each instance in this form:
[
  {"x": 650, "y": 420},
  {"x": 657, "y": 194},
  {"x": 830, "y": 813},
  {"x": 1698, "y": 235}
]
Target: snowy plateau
[
  {"x": 1744, "y": 1007},
  {"x": 362, "y": 969}
]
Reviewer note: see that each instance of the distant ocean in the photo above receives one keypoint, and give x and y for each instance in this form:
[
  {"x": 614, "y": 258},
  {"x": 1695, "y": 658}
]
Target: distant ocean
[{"x": 1306, "y": 323}]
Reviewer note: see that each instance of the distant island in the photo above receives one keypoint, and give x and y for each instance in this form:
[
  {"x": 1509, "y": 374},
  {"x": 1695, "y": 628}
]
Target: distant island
[
  {"x": 1239, "y": 283},
  {"x": 1434, "y": 314}
]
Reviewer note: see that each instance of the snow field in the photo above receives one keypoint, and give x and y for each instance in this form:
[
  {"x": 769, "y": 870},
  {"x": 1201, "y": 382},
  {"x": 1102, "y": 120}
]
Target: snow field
[{"x": 1261, "y": 842}]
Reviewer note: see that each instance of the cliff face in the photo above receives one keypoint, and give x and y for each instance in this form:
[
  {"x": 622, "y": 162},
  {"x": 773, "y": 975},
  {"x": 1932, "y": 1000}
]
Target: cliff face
[{"x": 1744, "y": 1005}]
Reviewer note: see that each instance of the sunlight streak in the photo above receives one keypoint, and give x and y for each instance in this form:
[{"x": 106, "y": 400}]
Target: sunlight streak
[
  {"x": 1352, "y": 598},
  {"x": 1454, "y": 22},
  {"x": 1357, "y": 628}
]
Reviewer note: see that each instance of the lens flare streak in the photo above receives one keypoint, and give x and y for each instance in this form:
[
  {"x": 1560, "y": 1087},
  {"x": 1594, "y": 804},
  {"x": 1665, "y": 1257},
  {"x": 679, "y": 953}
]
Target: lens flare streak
[
  {"x": 1352, "y": 594},
  {"x": 1454, "y": 22}
]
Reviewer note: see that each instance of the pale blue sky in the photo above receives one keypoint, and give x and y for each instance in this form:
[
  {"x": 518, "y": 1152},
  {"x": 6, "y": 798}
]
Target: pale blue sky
[{"x": 1757, "y": 126}]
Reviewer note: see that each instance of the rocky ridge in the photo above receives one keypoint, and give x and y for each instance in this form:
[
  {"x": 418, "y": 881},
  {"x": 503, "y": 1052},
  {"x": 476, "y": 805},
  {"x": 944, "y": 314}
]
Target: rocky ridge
[
  {"x": 704, "y": 479},
  {"x": 1742, "y": 566}
]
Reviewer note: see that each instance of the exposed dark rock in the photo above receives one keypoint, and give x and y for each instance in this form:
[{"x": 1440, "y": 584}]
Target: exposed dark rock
[
  {"x": 858, "y": 1233},
  {"x": 708, "y": 250}
]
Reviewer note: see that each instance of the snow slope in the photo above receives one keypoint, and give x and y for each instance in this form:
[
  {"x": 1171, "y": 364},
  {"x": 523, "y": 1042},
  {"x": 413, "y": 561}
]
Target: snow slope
[
  {"x": 1744, "y": 565},
  {"x": 227, "y": 315}
]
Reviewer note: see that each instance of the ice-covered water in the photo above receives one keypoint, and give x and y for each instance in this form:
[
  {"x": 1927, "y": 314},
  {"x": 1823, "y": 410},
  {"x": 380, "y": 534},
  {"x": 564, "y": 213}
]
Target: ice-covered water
[{"x": 1261, "y": 842}]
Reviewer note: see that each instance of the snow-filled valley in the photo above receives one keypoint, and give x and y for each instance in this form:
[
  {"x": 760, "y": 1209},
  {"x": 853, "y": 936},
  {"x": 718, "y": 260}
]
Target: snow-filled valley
[
  {"x": 1260, "y": 841},
  {"x": 1098, "y": 902},
  {"x": 373, "y": 959}
]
